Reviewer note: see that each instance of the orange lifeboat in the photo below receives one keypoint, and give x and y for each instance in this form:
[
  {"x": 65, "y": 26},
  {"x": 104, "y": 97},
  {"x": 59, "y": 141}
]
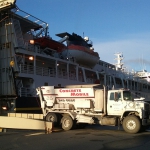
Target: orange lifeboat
[{"x": 47, "y": 42}]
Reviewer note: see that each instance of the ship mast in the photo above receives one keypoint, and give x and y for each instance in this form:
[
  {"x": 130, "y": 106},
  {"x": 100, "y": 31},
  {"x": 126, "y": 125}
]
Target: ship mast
[{"x": 119, "y": 58}]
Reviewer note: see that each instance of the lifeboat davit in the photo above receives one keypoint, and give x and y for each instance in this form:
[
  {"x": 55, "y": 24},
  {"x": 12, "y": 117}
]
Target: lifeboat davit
[{"x": 80, "y": 50}]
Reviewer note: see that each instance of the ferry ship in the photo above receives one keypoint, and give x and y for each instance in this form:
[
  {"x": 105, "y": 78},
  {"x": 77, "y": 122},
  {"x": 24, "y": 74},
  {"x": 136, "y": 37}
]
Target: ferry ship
[{"x": 30, "y": 58}]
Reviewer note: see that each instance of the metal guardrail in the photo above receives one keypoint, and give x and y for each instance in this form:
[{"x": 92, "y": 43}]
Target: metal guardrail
[{"x": 42, "y": 26}]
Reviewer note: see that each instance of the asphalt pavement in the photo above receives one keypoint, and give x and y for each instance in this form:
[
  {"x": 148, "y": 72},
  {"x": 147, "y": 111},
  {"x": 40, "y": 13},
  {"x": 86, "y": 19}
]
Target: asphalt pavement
[{"x": 93, "y": 137}]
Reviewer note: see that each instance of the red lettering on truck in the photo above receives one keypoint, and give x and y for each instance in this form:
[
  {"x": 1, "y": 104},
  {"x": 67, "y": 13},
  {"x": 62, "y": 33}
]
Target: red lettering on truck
[
  {"x": 69, "y": 90},
  {"x": 79, "y": 94}
]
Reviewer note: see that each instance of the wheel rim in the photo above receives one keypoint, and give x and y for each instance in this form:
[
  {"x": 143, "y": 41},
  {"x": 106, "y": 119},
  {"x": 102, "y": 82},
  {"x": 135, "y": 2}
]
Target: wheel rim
[
  {"x": 66, "y": 123},
  {"x": 131, "y": 124},
  {"x": 51, "y": 118}
]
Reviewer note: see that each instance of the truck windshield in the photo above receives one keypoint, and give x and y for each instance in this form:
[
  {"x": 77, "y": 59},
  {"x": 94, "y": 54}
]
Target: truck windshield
[{"x": 127, "y": 95}]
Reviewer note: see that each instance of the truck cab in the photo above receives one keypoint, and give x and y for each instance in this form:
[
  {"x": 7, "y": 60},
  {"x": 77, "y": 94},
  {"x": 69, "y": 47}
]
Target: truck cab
[{"x": 118, "y": 100}]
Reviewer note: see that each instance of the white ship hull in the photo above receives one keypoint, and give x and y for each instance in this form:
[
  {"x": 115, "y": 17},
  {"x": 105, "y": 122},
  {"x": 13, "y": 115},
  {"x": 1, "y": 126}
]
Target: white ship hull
[{"x": 81, "y": 57}]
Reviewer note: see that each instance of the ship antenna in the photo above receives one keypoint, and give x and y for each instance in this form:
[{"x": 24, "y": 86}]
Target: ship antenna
[{"x": 83, "y": 34}]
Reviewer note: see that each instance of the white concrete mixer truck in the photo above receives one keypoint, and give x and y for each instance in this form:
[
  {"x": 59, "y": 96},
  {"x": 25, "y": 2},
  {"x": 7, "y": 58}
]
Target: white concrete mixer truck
[{"x": 93, "y": 104}]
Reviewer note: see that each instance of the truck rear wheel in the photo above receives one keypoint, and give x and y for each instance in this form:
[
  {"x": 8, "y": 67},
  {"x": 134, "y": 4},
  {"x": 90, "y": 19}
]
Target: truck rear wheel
[
  {"x": 52, "y": 117},
  {"x": 67, "y": 122},
  {"x": 131, "y": 124}
]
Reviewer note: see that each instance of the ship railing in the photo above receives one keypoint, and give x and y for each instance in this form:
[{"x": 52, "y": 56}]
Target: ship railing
[
  {"x": 43, "y": 71},
  {"x": 29, "y": 47},
  {"x": 143, "y": 81},
  {"x": 132, "y": 87},
  {"x": 32, "y": 92},
  {"x": 29, "y": 69},
  {"x": 124, "y": 75},
  {"x": 72, "y": 76},
  {"x": 62, "y": 74},
  {"x": 80, "y": 78},
  {"x": 119, "y": 85},
  {"x": 39, "y": 70},
  {"x": 19, "y": 85},
  {"x": 35, "y": 21},
  {"x": 120, "y": 74},
  {"x": 26, "y": 92},
  {"x": 51, "y": 72},
  {"x": 89, "y": 80}
]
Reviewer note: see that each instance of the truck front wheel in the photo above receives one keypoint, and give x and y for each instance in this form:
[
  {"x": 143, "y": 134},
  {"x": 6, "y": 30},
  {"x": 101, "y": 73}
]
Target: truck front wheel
[
  {"x": 67, "y": 122},
  {"x": 131, "y": 124}
]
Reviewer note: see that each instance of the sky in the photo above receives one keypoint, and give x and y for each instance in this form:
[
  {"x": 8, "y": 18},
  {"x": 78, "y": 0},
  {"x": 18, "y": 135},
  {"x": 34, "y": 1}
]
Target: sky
[{"x": 112, "y": 25}]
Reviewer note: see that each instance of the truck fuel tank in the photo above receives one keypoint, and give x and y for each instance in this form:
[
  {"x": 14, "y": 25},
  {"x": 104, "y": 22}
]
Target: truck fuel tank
[{"x": 108, "y": 121}]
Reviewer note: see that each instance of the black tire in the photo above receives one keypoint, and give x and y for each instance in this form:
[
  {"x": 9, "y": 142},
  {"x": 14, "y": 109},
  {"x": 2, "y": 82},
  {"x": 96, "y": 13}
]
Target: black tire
[
  {"x": 131, "y": 124},
  {"x": 59, "y": 116},
  {"x": 52, "y": 117},
  {"x": 67, "y": 122}
]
